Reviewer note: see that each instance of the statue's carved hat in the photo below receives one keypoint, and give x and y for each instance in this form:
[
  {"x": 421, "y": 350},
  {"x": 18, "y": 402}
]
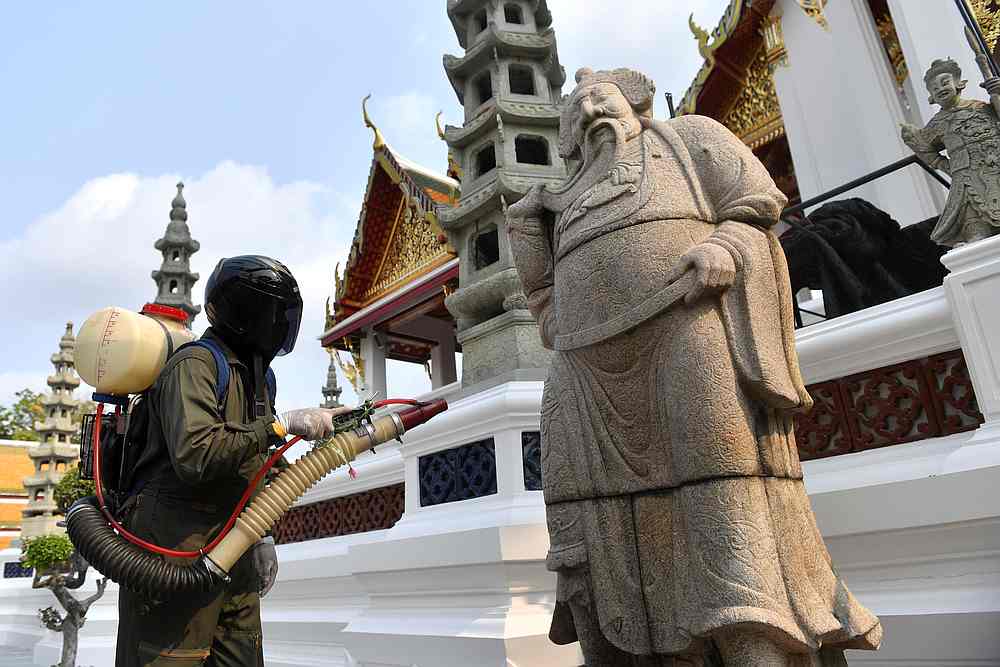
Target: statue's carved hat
[{"x": 637, "y": 88}]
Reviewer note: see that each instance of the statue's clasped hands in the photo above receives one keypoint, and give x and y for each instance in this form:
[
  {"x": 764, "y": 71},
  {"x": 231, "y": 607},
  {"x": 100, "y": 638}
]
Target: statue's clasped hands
[{"x": 713, "y": 267}]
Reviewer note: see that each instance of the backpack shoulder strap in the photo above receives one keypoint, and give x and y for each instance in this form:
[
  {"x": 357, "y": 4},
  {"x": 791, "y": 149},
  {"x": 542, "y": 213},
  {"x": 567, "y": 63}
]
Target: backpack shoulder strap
[
  {"x": 221, "y": 366},
  {"x": 272, "y": 385}
]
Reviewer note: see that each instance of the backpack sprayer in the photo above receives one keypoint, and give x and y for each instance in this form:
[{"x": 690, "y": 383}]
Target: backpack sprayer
[{"x": 120, "y": 353}]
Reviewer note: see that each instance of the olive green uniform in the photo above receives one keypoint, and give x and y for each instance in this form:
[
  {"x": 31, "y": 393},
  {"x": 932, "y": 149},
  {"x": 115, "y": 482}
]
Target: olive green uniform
[{"x": 197, "y": 463}]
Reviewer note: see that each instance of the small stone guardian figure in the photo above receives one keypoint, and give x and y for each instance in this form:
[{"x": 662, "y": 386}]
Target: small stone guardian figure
[
  {"x": 680, "y": 529},
  {"x": 970, "y": 133}
]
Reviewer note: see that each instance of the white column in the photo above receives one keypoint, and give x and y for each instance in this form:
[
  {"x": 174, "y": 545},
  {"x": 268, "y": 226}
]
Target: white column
[
  {"x": 374, "y": 355},
  {"x": 930, "y": 31},
  {"x": 443, "y": 362},
  {"x": 842, "y": 112},
  {"x": 973, "y": 289}
]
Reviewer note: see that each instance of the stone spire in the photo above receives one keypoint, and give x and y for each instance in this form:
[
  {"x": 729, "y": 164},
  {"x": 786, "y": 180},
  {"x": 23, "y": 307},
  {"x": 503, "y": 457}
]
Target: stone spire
[
  {"x": 509, "y": 81},
  {"x": 332, "y": 390},
  {"x": 54, "y": 452},
  {"x": 174, "y": 278}
]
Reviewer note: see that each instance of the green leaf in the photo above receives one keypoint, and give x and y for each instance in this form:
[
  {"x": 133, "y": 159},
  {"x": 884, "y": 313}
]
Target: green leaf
[
  {"x": 45, "y": 551},
  {"x": 71, "y": 488}
]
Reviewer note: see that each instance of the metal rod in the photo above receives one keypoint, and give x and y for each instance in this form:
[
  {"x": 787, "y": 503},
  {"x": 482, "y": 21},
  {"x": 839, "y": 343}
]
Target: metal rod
[
  {"x": 899, "y": 164},
  {"x": 970, "y": 20},
  {"x": 670, "y": 104},
  {"x": 933, "y": 172},
  {"x": 809, "y": 312},
  {"x": 864, "y": 180}
]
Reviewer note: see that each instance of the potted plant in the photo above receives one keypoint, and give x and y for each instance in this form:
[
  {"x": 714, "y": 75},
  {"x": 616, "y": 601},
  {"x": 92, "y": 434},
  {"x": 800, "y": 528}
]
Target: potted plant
[{"x": 60, "y": 569}]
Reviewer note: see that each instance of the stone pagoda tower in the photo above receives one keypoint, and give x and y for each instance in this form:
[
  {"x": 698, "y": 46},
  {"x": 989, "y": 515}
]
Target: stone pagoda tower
[
  {"x": 174, "y": 278},
  {"x": 54, "y": 452},
  {"x": 332, "y": 390},
  {"x": 509, "y": 82}
]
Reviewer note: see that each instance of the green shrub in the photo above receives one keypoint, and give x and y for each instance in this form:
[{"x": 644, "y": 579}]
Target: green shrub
[
  {"x": 71, "y": 488},
  {"x": 45, "y": 551}
]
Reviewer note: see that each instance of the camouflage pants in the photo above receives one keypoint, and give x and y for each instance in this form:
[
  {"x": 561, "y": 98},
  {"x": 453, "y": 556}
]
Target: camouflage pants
[{"x": 220, "y": 629}]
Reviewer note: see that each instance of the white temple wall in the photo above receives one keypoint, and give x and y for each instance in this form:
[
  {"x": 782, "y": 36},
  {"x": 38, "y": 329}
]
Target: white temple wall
[
  {"x": 929, "y": 31},
  {"x": 842, "y": 111}
]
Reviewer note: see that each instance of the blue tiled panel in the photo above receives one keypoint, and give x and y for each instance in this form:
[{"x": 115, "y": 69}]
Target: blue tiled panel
[
  {"x": 531, "y": 456},
  {"x": 461, "y": 473}
]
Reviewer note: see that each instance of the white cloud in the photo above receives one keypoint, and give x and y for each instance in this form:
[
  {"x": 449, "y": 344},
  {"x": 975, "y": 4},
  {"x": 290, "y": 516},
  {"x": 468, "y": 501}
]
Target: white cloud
[
  {"x": 651, "y": 36},
  {"x": 96, "y": 250},
  {"x": 410, "y": 112}
]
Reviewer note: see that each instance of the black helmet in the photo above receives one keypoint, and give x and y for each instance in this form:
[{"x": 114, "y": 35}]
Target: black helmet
[{"x": 254, "y": 303}]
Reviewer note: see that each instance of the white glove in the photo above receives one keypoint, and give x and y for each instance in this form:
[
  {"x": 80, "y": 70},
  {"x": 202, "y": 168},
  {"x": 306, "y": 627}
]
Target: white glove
[
  {"x": 312, "y": 423},
  {"x": 265, "y": 562}
]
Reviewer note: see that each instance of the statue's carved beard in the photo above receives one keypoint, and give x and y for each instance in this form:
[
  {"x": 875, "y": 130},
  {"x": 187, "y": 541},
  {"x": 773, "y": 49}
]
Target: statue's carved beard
[{"x": 598, "y": 134}]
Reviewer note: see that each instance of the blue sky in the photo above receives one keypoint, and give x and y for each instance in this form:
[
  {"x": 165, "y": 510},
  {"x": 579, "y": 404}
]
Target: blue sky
[{"x": 256, "y": 106}]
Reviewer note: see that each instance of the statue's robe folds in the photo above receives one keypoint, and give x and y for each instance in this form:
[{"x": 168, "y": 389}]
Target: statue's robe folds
[
  {"x": 970, "y": 132},
  {"x": 673, "y": 487}
]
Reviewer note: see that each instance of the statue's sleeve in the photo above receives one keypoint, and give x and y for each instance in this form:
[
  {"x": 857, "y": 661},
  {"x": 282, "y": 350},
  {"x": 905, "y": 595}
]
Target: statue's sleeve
[
  {"x": 927, "y": 144},
  {"x": 732, "y": 181},
  {"x": 532, "y": 250},
  {"x": 740, "y": 197}
]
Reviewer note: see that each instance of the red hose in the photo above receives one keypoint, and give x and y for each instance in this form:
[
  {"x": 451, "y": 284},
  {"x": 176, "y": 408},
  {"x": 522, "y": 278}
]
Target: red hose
[{"x": 239, "y": 506}]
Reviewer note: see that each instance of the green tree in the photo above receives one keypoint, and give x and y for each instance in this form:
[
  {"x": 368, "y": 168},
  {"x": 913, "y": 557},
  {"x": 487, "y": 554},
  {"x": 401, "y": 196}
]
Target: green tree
[
  {"x": 71, "y": 488},
  {"x": 17, "y": 422},
  {"x": 85, "y": 408}
]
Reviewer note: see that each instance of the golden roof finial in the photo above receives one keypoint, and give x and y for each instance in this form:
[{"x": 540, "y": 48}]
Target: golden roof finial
[
  {"x": 379, "y": 142},
  {"x": 700, "y": 34},
  {"x": 437, "y": 121}
]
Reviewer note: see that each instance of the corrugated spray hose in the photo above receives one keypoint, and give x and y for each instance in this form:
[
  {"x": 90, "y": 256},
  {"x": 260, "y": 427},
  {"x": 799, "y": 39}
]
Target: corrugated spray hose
[{"x": 142, "y": 571}]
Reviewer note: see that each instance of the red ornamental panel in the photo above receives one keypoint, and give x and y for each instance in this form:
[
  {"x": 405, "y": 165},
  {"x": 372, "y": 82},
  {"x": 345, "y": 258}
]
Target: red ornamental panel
[
  {"x": 919, "y": 399},
  {"x": 377, "y": 509}
]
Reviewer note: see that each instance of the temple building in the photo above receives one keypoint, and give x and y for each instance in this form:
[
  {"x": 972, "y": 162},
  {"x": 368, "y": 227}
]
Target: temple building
[
  {"x": 434, "y": 553},
  {"x": 15, "y": 465},
  {"x": 55, "y": 452},
  {"x": 784, "y": 76},
  {"x": 174, "y": 279},
  {"x": 390, "y": 303},
  {"x": 331, "y": 390}
]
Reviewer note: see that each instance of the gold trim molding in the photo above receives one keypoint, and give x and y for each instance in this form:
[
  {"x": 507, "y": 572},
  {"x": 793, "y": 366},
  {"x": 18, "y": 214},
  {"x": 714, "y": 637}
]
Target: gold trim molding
[
  {"x": 755, "y": 116},
  {"x": 988, "y": 18},
  {"x": 775, "y": 52},
  {"x": 814, "y": 10}
]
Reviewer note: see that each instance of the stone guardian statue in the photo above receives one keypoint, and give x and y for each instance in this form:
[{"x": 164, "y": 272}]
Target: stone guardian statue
[
  {"x": 680, "y": 529},
  {"x": 969, "y": 131}
]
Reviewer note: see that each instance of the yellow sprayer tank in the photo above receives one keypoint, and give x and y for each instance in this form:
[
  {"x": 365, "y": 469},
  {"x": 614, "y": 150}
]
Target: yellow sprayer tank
[{"x": 121, "y": 352}]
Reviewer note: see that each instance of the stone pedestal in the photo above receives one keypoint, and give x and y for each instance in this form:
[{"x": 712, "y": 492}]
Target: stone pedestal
[
  {"x": 973, "y": 290},
  {"x": 495, "y": 349}
]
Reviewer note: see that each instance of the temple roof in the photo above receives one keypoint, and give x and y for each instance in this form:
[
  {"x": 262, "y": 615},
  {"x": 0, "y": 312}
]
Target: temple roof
[
  {"x": 729, "y": 52},
  {"x": 398, "y": 238}
]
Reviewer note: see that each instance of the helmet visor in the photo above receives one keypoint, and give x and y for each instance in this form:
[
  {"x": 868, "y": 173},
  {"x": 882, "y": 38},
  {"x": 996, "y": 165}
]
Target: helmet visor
[{"x": 293, "y": 318}]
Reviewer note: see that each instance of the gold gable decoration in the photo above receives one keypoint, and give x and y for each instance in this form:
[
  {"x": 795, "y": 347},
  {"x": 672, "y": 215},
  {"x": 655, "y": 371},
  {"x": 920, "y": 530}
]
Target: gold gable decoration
[
  {"x": 413, "y": 249},
  {"x": 988, "y": 15},
  {"x": 893, "y": 49},
  {"x": 354, "y": 372},
  {"x": 755, "y": 117}
]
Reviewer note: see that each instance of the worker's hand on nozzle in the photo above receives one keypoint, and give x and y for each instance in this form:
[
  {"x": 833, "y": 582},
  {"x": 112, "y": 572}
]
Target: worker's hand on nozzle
[
  {"x": 312, "y": 423},
  {"x": 265, "y": 561}
]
